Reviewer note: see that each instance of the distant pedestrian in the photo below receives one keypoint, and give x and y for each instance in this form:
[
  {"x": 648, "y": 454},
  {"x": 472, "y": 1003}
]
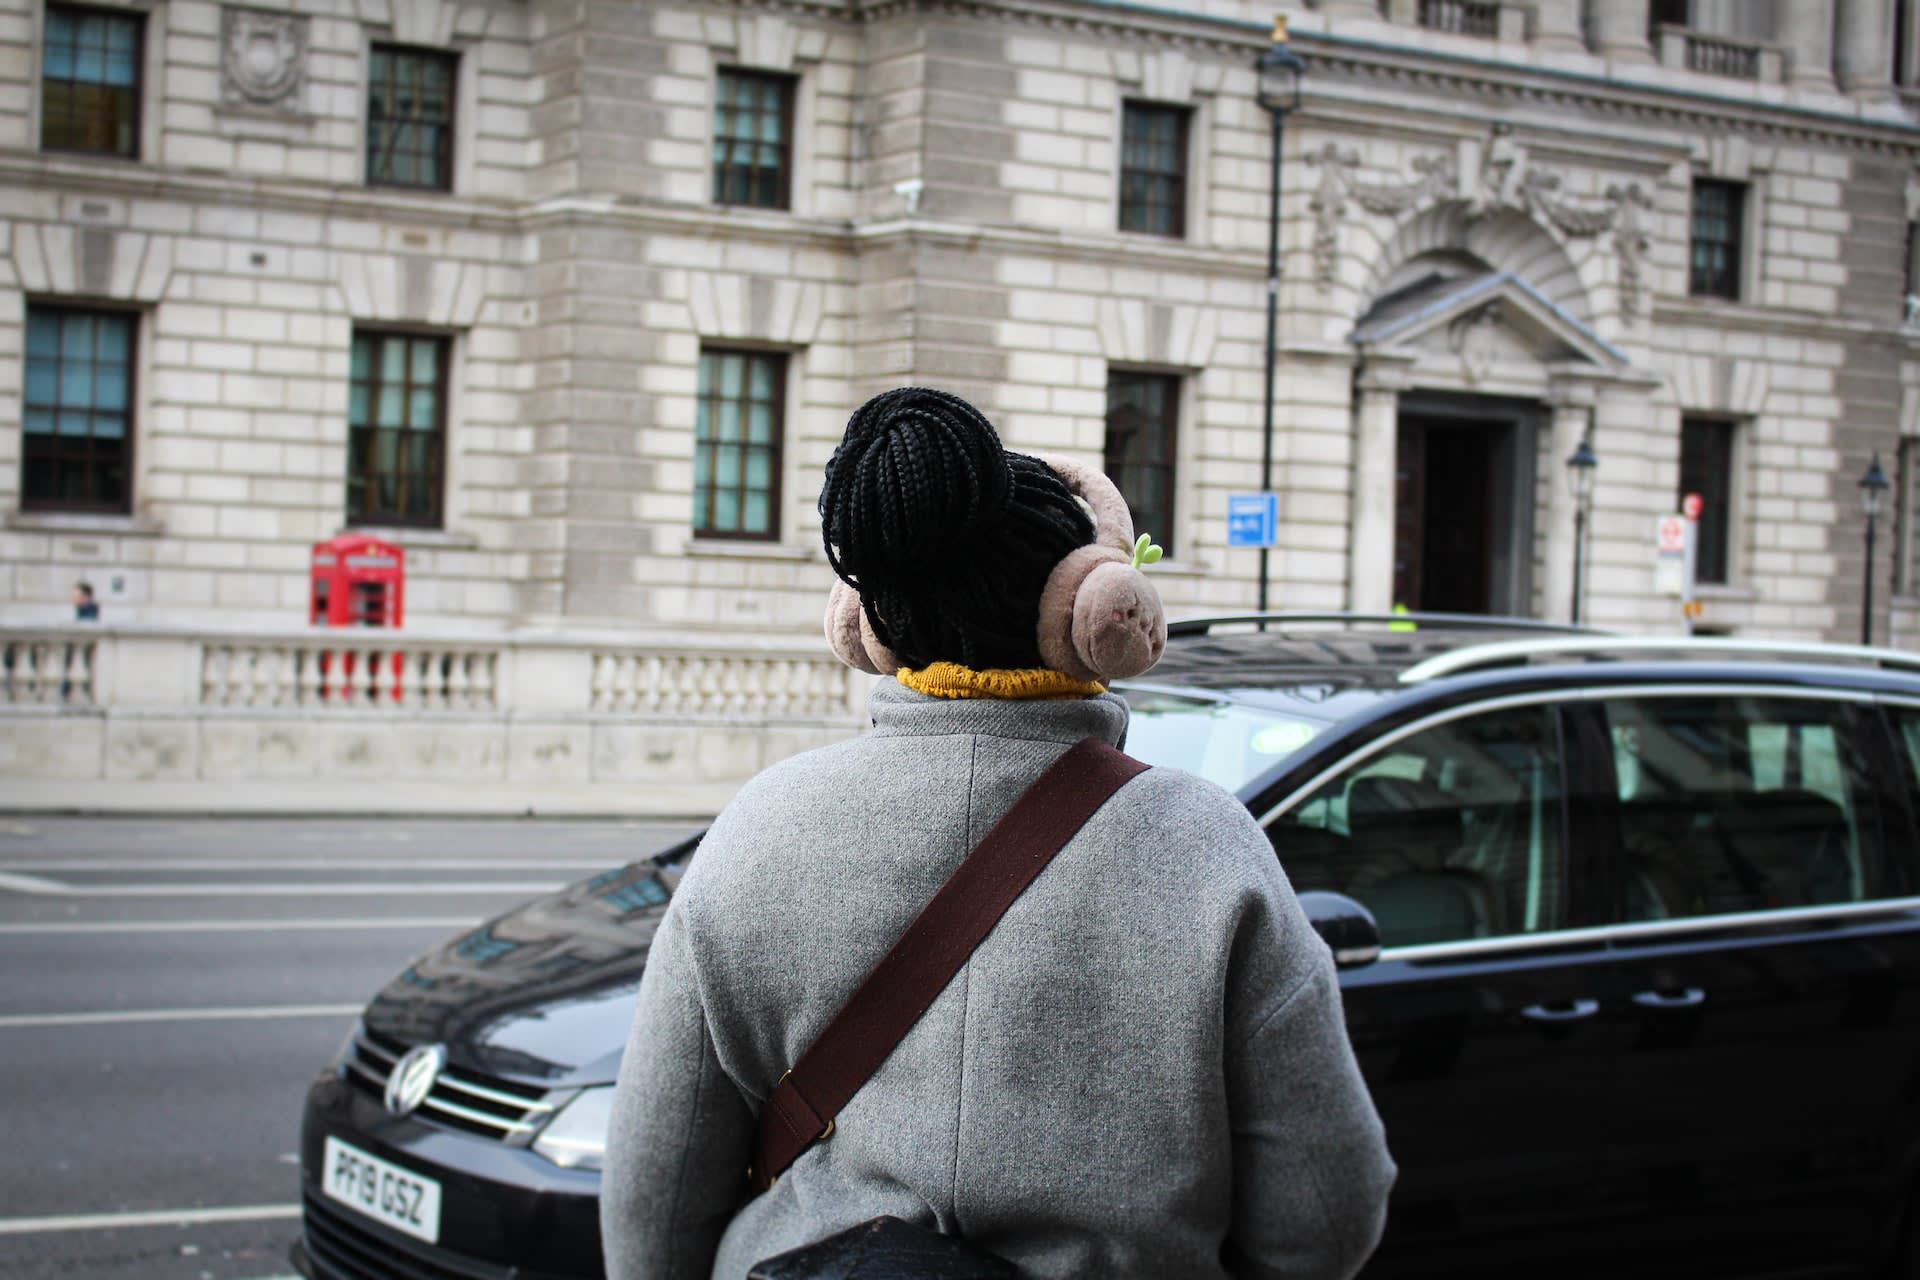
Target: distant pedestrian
[
  {"x": 85, "y": 607},
  {"x": 1143, "y": 1069}
]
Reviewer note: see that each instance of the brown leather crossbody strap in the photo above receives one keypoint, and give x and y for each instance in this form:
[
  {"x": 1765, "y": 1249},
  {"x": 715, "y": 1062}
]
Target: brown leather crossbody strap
[{"x": 877, "y": 1017}]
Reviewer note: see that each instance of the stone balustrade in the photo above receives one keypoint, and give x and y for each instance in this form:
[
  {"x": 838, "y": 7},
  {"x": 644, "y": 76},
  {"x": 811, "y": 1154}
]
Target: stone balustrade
[{"x": 161, "y": 702}]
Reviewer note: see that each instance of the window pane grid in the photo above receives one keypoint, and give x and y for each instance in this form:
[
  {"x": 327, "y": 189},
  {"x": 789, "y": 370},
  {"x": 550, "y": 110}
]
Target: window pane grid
[
  {"x": 77, "y": 420},
  {"x": 1714, "y": 263},
  {"x": 410, "y": 118},
  {"x": 90, "y": 82},
  {"x": 1153, "y": 170},
  {"x": 1143, "y": 411},
  {"x": 752, "y": 154},
  {"x": 737, "y": 434},
  {"x": 396, "y": 429},
  {"x": 1706, "y": 468}
]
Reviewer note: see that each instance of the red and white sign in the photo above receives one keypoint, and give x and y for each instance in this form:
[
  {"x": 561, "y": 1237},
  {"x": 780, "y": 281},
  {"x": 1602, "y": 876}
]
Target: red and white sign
[
  {"x": 1692, "y": 505},
  {"x": 1673, "y": 535}
]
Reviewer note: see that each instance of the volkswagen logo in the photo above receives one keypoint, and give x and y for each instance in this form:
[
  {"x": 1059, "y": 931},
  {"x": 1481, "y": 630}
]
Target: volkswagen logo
[{"x": 413, "y": 1077}]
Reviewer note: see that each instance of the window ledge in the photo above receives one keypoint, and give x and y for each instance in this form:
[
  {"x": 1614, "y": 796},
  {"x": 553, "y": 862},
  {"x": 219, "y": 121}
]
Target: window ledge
[
  {"x": 134, "y": 526},
  {"x": 726, "y": 548},
  {"x": 439, "y": 539}
]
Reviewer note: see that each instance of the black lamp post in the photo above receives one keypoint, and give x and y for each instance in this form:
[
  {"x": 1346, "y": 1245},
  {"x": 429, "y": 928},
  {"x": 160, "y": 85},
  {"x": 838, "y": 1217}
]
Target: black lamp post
[
  {"x": 1279, "y": 69},
  {"x": 1580, "y": 467},
  {"x": 1873, "y": 493}
]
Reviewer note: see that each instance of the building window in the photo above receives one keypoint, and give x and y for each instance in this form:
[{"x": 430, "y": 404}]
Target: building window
[
  {"x": 396, "y": 429},
  {"x": 1153, "y": 169},
  {"x": 410, "y": 118},
  {"x": 1719, "y": 211},
  {"x": 1669, "y": 13},
  {"x": 90, "y": 81},
  {"x": 77, "y": 451},
  {"x": 1706, "y": 468},
  {"x": 736, "y": 444},
  {"x": 753, "y": 140},
  {"x": 1143, "y": 411}
]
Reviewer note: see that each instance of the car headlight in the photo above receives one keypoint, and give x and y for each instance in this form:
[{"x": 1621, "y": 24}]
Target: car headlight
[{"x": 576, "y": 1137}]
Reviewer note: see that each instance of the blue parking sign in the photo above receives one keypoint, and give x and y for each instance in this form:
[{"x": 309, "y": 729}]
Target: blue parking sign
[{"x": 1253, "y": 519}]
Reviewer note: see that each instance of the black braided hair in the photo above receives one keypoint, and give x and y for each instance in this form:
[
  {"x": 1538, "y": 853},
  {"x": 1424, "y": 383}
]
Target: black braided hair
[{"x": 947, "y": 537}]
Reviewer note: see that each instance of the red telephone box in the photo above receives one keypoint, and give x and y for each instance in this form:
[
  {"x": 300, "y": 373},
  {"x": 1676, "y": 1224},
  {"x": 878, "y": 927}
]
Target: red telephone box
[{"x": 357, "y": 582}]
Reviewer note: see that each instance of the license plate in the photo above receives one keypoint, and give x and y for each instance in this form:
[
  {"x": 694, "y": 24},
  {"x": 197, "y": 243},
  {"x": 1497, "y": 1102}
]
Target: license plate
[{"x": 382, "y": 1191}]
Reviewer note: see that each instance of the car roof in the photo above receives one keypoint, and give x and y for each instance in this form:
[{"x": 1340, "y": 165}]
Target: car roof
[{"x": 1244, "y": 654}]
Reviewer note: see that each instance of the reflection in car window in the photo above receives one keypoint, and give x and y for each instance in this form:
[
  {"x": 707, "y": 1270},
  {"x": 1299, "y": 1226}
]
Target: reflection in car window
[
  {"x": 1226, "y": 743},
  {"x": 1731, "y": 804},
  {"x": 1452, "y": 833}
]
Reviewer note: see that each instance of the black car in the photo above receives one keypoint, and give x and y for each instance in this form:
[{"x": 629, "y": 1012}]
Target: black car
[{"x": 1629, "y": 936}]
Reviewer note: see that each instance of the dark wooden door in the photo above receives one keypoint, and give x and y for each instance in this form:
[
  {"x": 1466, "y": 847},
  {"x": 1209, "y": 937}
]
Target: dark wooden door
[{"x": 1444, "y": 519}]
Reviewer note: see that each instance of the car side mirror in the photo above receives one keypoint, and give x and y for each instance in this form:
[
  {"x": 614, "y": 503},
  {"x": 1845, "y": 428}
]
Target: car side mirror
[{"x": 1348, "y": 928}]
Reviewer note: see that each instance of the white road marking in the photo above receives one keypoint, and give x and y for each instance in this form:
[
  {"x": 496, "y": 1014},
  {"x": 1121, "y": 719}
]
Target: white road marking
[
  {"x": 115, "y": 1017},
  {"x": 310, "y": 864},
  {"x": 441, "y": 888},
  {"x": 237, "y": 926},
  {"x": 155, "y": 1218}
]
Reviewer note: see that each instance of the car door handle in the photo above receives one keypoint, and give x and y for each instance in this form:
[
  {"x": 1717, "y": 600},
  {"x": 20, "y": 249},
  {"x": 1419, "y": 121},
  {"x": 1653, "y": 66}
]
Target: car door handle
[
  {"x": 1685, "y": 998},
  {"x": 1561, "y": 1011}
]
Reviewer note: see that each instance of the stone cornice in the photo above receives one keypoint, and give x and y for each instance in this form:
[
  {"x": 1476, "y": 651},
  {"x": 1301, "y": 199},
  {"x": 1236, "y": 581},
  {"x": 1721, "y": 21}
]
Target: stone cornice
[
  {"x": 1758, "y": 319},
  {"x": 31, "y": 171},
  {"x": 1488, "y": 81}
]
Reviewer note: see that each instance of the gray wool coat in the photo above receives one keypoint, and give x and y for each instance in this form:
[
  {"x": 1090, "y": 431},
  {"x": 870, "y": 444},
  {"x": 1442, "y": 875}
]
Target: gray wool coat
[{"x": 1143, "y": 1071}]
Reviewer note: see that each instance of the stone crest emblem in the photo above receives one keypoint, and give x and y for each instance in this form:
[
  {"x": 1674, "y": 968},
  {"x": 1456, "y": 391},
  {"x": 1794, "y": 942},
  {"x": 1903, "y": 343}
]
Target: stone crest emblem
[{"x": 263, "y": 58}]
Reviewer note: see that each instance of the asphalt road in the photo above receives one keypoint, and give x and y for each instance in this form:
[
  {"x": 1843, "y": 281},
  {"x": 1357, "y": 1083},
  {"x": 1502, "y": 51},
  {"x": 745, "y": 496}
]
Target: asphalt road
[{"x": 169, "y": 987}]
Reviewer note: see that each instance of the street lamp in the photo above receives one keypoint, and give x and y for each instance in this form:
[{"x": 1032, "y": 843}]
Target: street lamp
[
  {"x": 1279, "y": 70},
  {"x": 1873, "y": 493},
  {"x": 1580, "y": 467}
]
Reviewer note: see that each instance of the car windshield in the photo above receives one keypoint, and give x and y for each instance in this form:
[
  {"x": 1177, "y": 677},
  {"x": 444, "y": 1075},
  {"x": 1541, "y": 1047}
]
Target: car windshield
[{"x": 1227, "y": 742}]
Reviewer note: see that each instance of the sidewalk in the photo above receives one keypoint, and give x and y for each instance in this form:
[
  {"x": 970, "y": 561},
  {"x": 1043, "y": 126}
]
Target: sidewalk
[{"x": 364, "y": 799}]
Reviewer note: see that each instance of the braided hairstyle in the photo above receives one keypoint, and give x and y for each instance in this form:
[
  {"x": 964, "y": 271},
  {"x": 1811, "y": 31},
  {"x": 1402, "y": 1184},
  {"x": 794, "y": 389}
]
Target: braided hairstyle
[{"x": 947, "y": 537}]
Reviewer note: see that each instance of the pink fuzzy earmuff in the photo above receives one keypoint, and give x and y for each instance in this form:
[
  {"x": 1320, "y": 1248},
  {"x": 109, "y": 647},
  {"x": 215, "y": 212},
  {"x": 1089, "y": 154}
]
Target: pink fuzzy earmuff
[{"x": 1100, "y": 619}]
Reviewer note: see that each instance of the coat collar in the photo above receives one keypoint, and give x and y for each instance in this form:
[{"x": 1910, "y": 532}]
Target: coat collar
[{"x": 898, "y": 711}]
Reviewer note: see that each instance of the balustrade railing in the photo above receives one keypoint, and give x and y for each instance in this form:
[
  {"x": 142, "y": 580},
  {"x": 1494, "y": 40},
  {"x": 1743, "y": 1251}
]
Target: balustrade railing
[
  {"x": 47, "y": 669},
  {"x": 707, "y": 684},
  {"x": 1461, "y": 17},
  {"x": 327, "y": 674}
]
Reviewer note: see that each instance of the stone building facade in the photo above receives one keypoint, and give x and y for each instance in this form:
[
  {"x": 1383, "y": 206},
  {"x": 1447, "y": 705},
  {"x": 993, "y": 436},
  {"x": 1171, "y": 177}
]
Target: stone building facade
[{"x": 1505, "y": 228}]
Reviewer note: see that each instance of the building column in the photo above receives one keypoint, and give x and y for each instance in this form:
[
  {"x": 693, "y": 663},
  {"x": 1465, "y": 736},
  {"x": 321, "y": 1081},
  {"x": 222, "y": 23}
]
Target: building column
[
  {"x": 1376, "y": 442},
  {"x": 1556, "y": 27},
  {"x": 1572, "y": 402},
  {"x": 1863, "y": 48},
  {"x": 1620, "y": 30},
  {"x": 1805, "y": 27}
]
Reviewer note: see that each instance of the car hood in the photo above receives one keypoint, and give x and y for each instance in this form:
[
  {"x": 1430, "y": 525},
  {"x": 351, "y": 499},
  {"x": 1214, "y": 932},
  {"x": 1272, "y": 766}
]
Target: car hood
[{"x": 544, "y": 994}]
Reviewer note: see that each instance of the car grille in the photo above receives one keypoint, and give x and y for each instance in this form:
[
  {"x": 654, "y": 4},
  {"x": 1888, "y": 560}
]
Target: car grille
[
  {"x": 340, "y": 1249},
  {"x": 478, "y": 1104}
]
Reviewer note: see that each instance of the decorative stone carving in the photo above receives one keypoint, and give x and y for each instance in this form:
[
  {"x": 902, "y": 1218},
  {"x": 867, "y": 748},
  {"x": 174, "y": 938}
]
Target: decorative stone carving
[
  {"x": 1487, "y": 177},
  {"x": 1474, "y": 338},
  {"x": 1434, "y": 177},
  {"x": 263, "y": 58},
  {"x": 1631, "y": 242}
]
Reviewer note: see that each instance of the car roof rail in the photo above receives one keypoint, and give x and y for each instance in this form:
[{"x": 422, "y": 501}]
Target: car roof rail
[
  {"x": 1510, "y": 652},
  {"x": 1408, "y": 621}
]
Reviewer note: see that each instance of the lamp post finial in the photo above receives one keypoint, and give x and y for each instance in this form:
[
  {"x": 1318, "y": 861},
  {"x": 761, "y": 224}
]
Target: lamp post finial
[{"x": 1279, "y": 28}]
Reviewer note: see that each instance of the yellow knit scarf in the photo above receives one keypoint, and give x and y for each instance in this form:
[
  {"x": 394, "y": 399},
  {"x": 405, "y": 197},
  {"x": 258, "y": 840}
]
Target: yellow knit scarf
[{"x": 951, "y": 680}]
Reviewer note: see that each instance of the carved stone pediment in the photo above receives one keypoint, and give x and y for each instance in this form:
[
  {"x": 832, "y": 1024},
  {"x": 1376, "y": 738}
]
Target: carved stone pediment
[{"x": 1482, "y": 319}]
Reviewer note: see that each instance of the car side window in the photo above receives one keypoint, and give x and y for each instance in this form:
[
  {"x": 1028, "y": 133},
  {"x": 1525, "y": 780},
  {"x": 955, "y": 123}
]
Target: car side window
[
  {"x": 1734, "y": 804},
  {"x": 1454, "y": 832}
]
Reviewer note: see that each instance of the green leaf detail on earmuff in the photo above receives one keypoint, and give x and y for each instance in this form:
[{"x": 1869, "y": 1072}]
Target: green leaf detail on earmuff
[{"x": 1146, "y": 551}]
